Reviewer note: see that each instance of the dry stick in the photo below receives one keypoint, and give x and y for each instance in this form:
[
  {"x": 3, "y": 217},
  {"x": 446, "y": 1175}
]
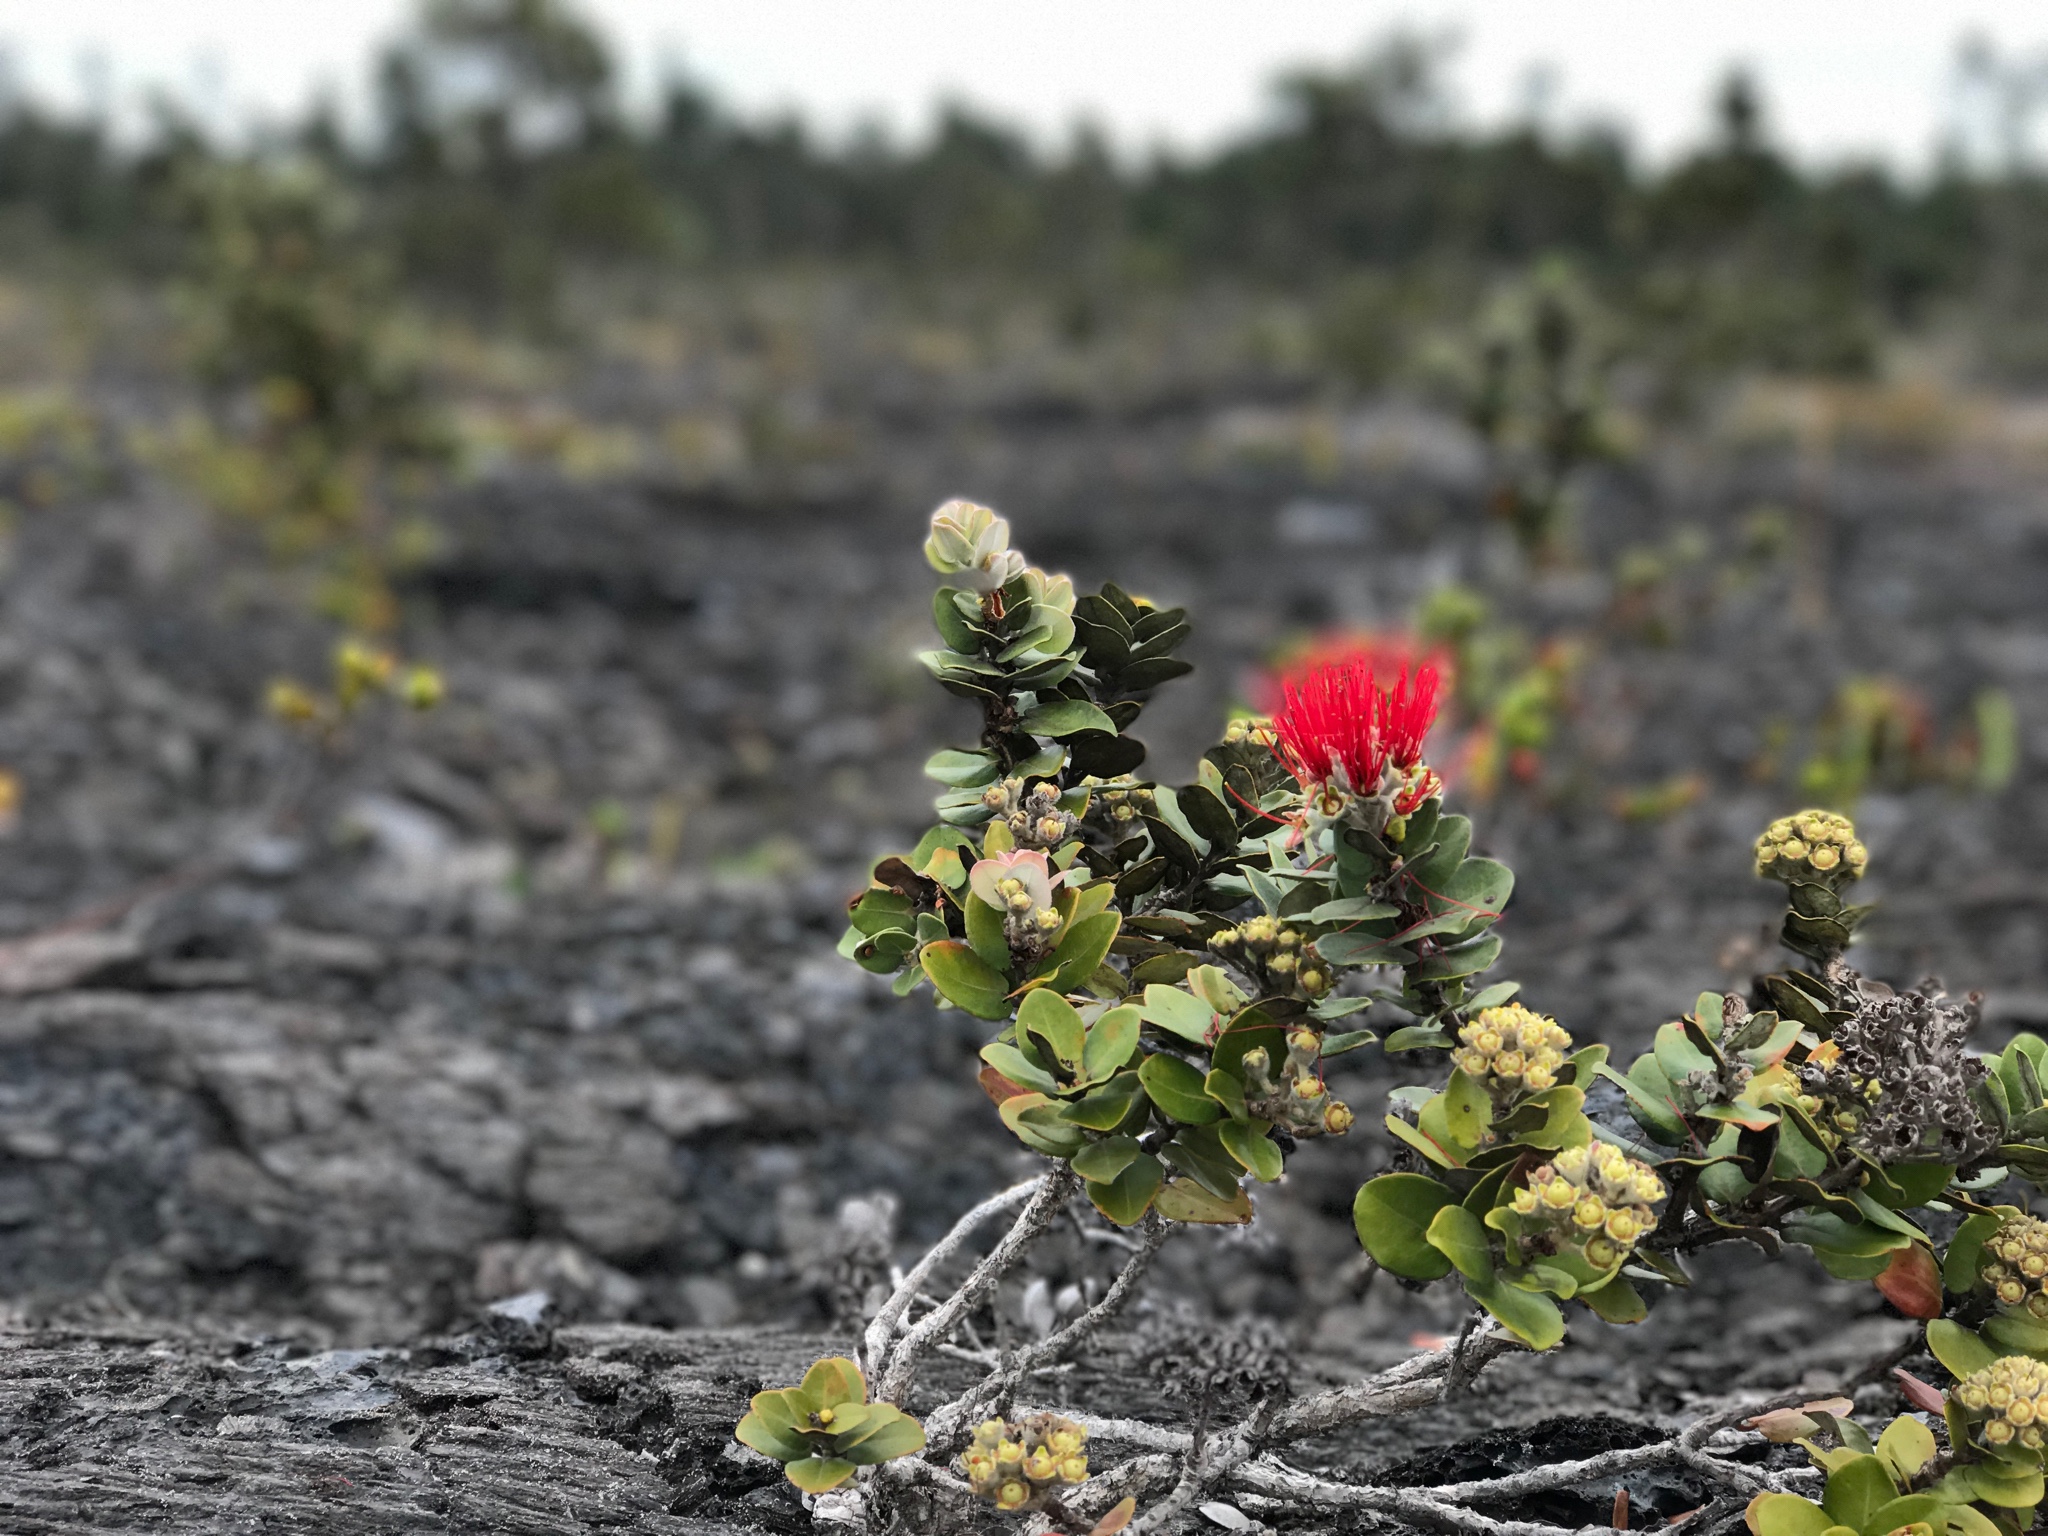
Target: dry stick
[
  {"x": 1053, "y": 1191},
  {"x": 882, "y": 1329},
  {"x": 943, "y": 1426}
]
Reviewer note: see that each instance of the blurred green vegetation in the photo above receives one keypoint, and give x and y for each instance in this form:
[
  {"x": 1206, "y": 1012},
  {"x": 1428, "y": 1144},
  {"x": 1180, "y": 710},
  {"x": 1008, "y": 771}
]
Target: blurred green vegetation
[{"x": 504, "y": 164}]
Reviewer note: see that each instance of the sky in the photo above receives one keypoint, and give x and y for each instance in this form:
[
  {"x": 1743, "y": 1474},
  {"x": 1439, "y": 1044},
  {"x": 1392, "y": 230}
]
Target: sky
[{"x": 1842, "y": 79}]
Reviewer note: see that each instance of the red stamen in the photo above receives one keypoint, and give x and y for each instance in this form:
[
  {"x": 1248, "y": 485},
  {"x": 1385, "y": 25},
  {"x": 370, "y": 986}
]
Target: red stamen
[{"x": 1340, "y": 716}]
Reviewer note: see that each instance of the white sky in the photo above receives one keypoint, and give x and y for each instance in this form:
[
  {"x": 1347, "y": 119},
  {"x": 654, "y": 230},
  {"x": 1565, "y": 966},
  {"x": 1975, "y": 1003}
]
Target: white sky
[{"x": 1843, "y": 78}]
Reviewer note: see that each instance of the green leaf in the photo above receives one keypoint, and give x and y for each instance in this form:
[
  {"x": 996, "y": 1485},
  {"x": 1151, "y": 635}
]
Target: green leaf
[
  {"x": 1905, "y": 1185},
  {"x": 1650, "y": 1099},
  {"x": 1177, "y": 1089},
  {"x": 1197, "y": 1150},
  {"x": 1351, "y": 909},
  {"x": 1129, "y": 1195},
  {"x": 950, "y": 622},
  {"x": 833, "y": 1383},
  {"x": 1065, "y": 717},
  {"x": 962, "y": 770},
  {"x": 1047, "y": 1016},
  {"x": 1166, "y": 808},
  {"x": 1533, "y": 1319},
  {"x": 1036, "y": 1121},
  {"x": 1966, "y": 1250},
  {"x": 1178, "y": 1013},
  {"x": 1462, "y": 1238},
  {"x": 1209, "y": 816},
  {"x": 1913, "y": 1509},
  {"x": 1080, "y": 950},
  {"x": 1467, "y": 1109},
  {"x": 985, "y": 933},
  {"x": 1392, "y": 1214},
  {"x": 1786, "y": 1514},
  {"x": 2014, "y": 1333},
  {"x": 1185, "y": 1200},
  {"x": 1906, "y": 1446},
  {"x": 1109, "y": 1106},
  {"x": 1465, "y": 960},
  {"x": 757, "y": 1433},
  {"x": 1479, "y": 888},
  {"x": 1453, "y": 836},
  {"x": 1349, "y": 1040},
  {"x": 818, "y": 1474},
  {"x": 1419, "y": 1037},
  {"x": 881, "y": 911},
  {"x": 1246, "y": 1140},
  {"x": 1491, "y": 997},
  {"x": 1858, "y": 1489},
  {"x": 1018, "y": 1068},
  {"x": 1112, "y": 1041},
  {"x": 1141, "y": 676},
  {"x": 1616, "y": 1302},
  {"x": 1226, "y": 1090},
  {"x": 890, "y": 1434},
  {"x": 1102, "y": 1161},
  {"x": 965, "y": 980},
  {"x": 1797, "y": 1156},
  {"x": 1958, "y": 1349},
  {"x": 2005, "y": 1484}
]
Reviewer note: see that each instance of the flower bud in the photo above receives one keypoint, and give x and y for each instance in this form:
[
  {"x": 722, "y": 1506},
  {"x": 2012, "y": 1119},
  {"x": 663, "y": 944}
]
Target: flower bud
[
  {"x": 2008, "y": 1399},
  {"x": 290, "y": 702},
  {"x": 1511, "y": 1050},
  {"x": 1337, "y": 1117},
  {"x": 423, "y": 688},
  {"x": 1814, "y": 847},
  {"x": 1596, "y": 1197}
]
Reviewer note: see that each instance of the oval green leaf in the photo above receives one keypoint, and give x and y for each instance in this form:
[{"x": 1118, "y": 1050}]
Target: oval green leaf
[
  {"x": 1392, "y": 1214},
  {"x": 1178, "y": 1090}
]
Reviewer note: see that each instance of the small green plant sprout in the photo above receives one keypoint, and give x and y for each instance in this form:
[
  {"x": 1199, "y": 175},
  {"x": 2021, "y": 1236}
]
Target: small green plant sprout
[
  {"x": 1167, "y": 971},
  {"x": 824, "y": 1429}
]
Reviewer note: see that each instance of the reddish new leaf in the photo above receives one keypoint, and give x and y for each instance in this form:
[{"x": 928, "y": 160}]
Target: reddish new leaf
[
  {"x": 1918, "y": 1393},
  {"x": 1912, "y": 1282}
]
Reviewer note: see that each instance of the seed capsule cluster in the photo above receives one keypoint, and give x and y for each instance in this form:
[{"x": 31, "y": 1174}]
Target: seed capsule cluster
[
  {"x": 1812, "y": 848},
  {"x": 1511, "y": 1050},
  {"x": 2015, "y": 1265},
  {"x": 2011, "y": 1396},
  {"x": 1016, "y": 1465},
  {"x": 1597, "y": 1197},
  {"x": 1033, "y": 816}
]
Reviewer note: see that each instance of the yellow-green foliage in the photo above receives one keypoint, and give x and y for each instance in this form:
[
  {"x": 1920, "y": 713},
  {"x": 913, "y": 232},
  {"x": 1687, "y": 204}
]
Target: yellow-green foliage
[{"x": 317, "y": 430}]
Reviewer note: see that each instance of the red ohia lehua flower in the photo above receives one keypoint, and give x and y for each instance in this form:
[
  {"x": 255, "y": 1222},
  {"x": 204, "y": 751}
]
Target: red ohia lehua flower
[{"x": 1339, "y": 725}]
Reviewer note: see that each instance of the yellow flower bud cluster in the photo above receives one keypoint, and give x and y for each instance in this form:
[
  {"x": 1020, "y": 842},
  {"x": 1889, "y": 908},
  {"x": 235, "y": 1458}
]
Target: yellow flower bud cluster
[
  {"x": 1016, "y": 1465},
  {"x": 1296, "y": 1100},
  {"x": 2015, "y": 1265},
  {"x": 1033, "y": 816},
  {"x": 2011, "y": 1397},
  {"x": 1597, "y": 1197},
  {"x": 361, "y": 673},
  {"x": 1512, "y": 1049},
  {"x": 1285, "y": 958},
  {"x": 1813, "y": 847},
  {"x": 1248, "y": 730},
  {"x": 1122, "y": 803}
]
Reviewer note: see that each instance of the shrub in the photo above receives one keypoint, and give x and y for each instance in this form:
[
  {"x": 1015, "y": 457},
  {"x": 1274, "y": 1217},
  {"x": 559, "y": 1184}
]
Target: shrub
[{"x": 1169, "y": 969}]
